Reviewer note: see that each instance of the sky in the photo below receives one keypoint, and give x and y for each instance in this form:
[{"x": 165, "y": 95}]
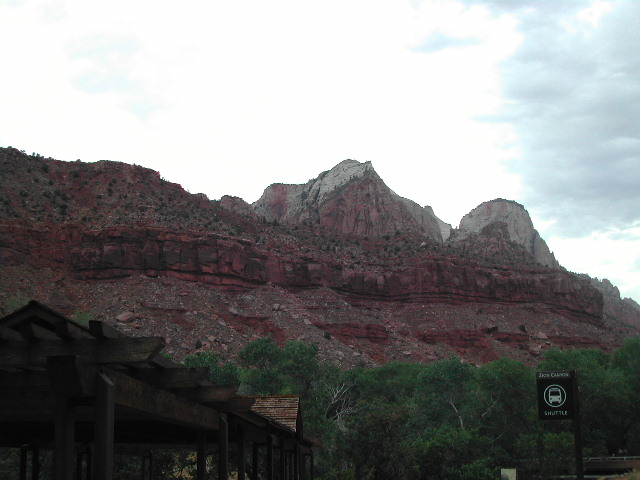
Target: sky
[{"x": 454, "y": 102}]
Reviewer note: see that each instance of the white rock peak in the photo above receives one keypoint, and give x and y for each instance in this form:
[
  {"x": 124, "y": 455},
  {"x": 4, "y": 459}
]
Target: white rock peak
[
  {"x": 519, "y": 226},
  {"x": 339, "y": 175}
]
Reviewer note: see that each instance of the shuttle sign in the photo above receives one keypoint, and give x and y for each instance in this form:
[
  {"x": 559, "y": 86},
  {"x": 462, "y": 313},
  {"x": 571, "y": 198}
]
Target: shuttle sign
[{"x": 555, "y": 395}]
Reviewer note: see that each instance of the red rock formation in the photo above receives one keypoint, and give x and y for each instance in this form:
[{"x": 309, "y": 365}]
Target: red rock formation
[
  {"x": 517, "y": 228},
  {"x": 140, "y": 252},
  {"x": 236, "y": 264},
  {"x": 351, "y": 199},
  {"x": 371, "y": 332}
]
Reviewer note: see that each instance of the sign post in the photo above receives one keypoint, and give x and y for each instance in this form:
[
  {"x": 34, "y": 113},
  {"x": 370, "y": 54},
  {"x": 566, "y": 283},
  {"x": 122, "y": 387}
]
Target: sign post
[{"x": 558, "y": 400}]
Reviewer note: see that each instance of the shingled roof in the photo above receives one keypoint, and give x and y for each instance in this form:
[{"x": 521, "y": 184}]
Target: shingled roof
[{"x": 283, "y": 409}]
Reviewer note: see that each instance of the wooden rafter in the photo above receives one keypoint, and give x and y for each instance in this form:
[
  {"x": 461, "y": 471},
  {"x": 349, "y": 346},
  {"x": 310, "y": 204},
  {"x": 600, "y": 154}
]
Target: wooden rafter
[
  {"x": 22, "y": 354},
  {"x": 171, "y": 378},
  {"x": 161, "y": 404}
]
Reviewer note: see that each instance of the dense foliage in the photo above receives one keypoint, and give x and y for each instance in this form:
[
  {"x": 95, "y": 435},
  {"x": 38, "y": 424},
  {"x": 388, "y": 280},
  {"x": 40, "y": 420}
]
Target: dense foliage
[
  {"x": 444, "y": 420},
  {"x": 449, "y": 419}
]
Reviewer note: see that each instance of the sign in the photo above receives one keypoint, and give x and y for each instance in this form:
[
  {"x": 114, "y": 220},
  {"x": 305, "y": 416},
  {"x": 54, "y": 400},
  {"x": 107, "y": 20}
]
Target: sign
[{"x": 556, "y": 392}]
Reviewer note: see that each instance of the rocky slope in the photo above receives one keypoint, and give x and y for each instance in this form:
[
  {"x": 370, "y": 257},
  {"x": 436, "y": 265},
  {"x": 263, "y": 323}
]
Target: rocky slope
[{"x": 120, "y": 243}]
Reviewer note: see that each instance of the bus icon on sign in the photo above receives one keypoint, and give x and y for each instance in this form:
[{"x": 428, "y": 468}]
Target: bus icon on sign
[{"x": 555, "y": 396}]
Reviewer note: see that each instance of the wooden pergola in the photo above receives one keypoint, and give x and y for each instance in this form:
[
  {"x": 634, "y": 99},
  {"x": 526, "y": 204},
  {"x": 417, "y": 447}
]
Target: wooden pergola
[{"x": 92, "y": 391}]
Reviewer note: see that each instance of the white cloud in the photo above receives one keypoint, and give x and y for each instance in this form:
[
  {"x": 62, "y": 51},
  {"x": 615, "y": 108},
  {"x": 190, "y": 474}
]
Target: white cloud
[{"x": 613, "y": 255}]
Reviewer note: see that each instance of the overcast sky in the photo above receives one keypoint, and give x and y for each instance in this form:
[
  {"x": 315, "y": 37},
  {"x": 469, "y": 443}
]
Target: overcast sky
[{"x": 454, "y": 102}]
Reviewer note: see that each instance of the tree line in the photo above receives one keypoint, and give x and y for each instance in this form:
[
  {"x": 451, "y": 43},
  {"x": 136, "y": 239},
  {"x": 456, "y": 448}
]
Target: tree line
[{"x": 444, "y": 420}]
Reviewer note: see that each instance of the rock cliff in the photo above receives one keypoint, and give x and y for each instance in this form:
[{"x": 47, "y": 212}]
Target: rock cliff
[
  {"x": 351, "y": 199},
  {"x": 518, "y": 226},
  {"x": 241, "y": 264},
  {"x": 348, "y": 265}
]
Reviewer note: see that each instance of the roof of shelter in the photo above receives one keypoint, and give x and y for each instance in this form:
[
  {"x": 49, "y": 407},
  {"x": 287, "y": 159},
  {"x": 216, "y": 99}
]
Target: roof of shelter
[{"x": 283, "y": 409}]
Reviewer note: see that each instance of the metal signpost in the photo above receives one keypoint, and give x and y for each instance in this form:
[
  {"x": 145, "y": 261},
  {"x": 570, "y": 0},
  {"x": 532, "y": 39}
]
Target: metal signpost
[{"x": 558, "y": 400}]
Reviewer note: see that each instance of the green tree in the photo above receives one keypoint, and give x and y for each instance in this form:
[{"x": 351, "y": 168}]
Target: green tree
[
  {"x": 449, "y": 452},
  {"x": 259, "y": 361},
  {"x": 509, "y": 392},
  {"x": 448, "y": 394},
  {"x": 377, "y": 441},
  {"x": 627, "y": 359}
]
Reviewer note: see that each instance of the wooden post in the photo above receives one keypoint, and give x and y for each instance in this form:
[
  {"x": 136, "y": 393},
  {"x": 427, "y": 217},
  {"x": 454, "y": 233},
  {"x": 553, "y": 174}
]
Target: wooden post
[
  {"x": 255, "y": 459},
  {"x": 23, "y": 462},
  {"x": 143, "y": 467},
  {"x": 79, "y": 465},
  {"x": 104, "y": 428},
  {"x": 35, "y": 463},
  {"x": 283, "y": 461},
  {"x": 223, "y": 448},
  {"x": 146, "y": 466},
  {"x": 303, "y": 472},
  {"x": 269, "y": 457},
  {"x": 296, "y": 462},
  {"x": 577, "y": 428},
  {"x": 64, "y": 440},
  {"x": 241, "y": 454},
  {"x": 201, "y": 468}
]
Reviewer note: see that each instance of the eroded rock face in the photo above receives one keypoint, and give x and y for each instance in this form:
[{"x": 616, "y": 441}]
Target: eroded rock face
[
  {"x": 518, "y": 225},
  {"x": 352, "y": 199},
  {"x": 237, "y": 205},
  {"x": 143, "y": 254},
  {"x": 240, "y": 264},
  {"x": 625, "y": 310}
]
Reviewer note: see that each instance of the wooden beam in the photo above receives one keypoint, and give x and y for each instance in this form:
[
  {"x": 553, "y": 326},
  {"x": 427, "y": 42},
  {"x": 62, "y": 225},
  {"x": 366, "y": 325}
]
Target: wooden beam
[
  {"x": 223, "y": 448},
  {"x": 32, "y": 330},
  {"x": 36, "y": 313},
  {"x": 71, "y": 376},
  {"x": 270, "y": 457},
  {"x": 283, "y": 461},
  {"x": 164, "y": 362},
  {"x": 255, "y": 450},
  {"x": 64, "y": 440},
  {"x": 241, "y": 453},
  {"x": 252, "y": 418},
  {"x": 209, "y": 394},
  {"x": 9, "y": 334},
  {"x": 27, "y": 406},
  {"x": 24, "y": 381},
  {"x": 238, "y": 404},
  {"x": 104, "y": 428},
  {"x": 102, "y": 330},
  {"x": 164, "y": 405},
  {"x": 35, "y": 462},
  {"x": 171, "y": 378},
  {"x": 23, "y": 462},
  {"x": 112, "y": 351},
  {"x": 201, "y": 456}
]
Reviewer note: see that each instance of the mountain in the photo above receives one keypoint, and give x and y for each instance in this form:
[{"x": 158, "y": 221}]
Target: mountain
[
  {"x": 351, "y": 199},
  {"x": 340, "y": 261},
  {"x": 511, "y": 218}
]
